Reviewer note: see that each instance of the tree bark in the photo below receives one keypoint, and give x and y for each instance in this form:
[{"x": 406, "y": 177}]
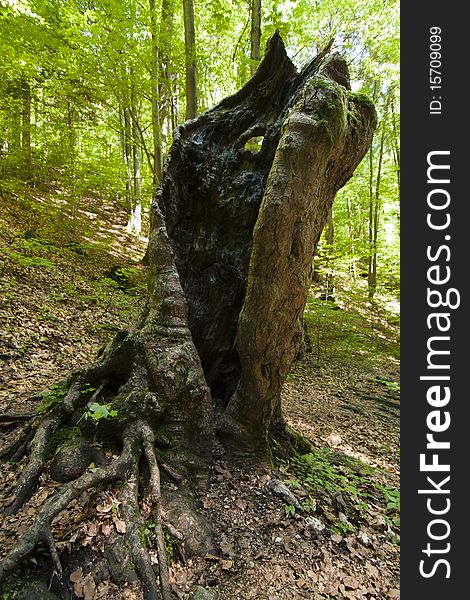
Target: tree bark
[
  {"x": 255, "y": 35},
  {"x": 190, "y": 53},
  {"x": 155, "y": 90}
]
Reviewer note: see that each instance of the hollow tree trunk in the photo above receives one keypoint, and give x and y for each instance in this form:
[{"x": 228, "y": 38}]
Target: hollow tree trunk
[
  {"x": 244, "y": 269},
  {"x": 324, "y": 137},
  {"x": 233, "y": 228}
]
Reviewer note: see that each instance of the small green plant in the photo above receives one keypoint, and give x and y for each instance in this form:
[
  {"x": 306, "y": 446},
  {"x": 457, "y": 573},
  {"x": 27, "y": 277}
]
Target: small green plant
[
  {"x": 391, "y": 385},
  {"x": 147, "y": 534},
  {"x": 344, "y": 527},
  {"x": 309, "y": 505},
  {"x": 392, "y": 498},
  {"x": 289, "y": 510},
  {"x": 54, "y": 396},
  {"x": 87, "y": 389},
  {"x": 100, "y": 411},
  {"x": 170, "y": 544},
  {"x": 148, "y": 538}
]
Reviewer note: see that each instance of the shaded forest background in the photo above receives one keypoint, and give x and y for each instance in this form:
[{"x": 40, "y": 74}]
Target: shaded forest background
[{"x": 91, "y": 92}]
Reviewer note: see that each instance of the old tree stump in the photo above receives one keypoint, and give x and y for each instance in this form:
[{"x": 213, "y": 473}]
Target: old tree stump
[{"x": 245, "y": 194}]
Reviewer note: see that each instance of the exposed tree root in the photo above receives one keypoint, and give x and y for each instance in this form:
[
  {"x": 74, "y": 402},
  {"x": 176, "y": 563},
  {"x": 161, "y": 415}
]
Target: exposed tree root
[
  {"x": 18, "y": 446},
  {"x": 131, "y": 514},
  {"x": 10, "y": 418},
  {"x": 30, "y": 475},
  {"x": 148, "y": 441},
  {"x": 39, "y": 530},
  {"x": 122, "y": 379},
  {"x": 138, "y": 439}
]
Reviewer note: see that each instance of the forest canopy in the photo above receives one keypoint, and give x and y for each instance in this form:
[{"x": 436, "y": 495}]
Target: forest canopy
[{"x": 91, "y": 92}]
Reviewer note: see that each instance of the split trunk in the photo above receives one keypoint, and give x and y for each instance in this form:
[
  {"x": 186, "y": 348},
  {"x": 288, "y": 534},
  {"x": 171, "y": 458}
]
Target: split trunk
[{"x": 245, "y": 193}]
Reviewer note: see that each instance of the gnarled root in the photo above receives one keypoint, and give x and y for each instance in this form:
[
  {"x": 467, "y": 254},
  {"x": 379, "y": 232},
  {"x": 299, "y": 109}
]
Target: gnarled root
[
  {"x": 138, "y": 438},
  {"x": 127, "y": 383},
  {"x": 146, "y": 389}
]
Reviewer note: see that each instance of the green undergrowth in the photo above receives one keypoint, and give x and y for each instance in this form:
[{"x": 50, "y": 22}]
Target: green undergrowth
[
  {"x": 343, "y": 491},
  {"x": 59, "y": 259},
  {"x": 148, "y": 538},
  {"x": 354, "y": 332}
]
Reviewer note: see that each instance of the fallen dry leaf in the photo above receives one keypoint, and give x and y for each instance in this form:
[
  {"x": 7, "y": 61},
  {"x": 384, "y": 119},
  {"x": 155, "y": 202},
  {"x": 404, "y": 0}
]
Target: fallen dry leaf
[
  {"x": 106, "y": 528},
  {"x": 89, "y": 588},
  {"x": 120, "y": 525},
  {"x": 76, "y": 575},
  {"x": 350, "y": 582}
]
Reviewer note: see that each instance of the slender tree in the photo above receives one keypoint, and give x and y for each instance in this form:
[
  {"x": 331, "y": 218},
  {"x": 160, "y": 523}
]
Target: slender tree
[
  {"x": 156, "y": 98},
  {"x": 255, "y": 35},
  {"x": 190, "y": 53}
]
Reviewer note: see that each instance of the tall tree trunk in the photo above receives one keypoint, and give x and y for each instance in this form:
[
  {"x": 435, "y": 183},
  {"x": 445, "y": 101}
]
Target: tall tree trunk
[
  {"x": 134, "y": 225},
  {"x": 395, "y": 139},
  {"x": 330, "y": 240},
  {"x": 233, "y": 229},
  {"x": 377, "y": 207},
  {"x": 15, "y": 128},
  {"x": 128, "y": 158},
  {"x": 190, "y": 53},
  {"x": 352, "y": 237},
  {"x": 371, "y": 274},
  {"x": 156, "y": 99},
  {"x": 26, "y": 130},
  {"x": 255, "y": 35},
  {"x": 375, "y": 204},
  {"x": 168, "y": 73}
]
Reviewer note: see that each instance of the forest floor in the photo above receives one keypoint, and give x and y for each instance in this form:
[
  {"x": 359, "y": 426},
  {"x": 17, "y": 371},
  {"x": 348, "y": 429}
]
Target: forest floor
[{"x": 69, "y": 278}]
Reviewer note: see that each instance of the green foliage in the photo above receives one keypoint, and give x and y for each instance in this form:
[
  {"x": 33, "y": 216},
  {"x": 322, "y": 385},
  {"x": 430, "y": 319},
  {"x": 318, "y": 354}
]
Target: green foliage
[
  {"x": 325, "y": 475},
  {"x": 289, "y": 510},
  {"x": 27, "y": 254},
  {"x": 319, "y": 471},
  {"x": 148, "y": 538},
  {"x": 31, "y": 261},
  {"x": 98, "y": 411},
  {"x": 77, "y": 83},
  {"x": 170, "y": 544},
  {"x": 53, "y": 396},
  {"x": 391, "y": 385}
]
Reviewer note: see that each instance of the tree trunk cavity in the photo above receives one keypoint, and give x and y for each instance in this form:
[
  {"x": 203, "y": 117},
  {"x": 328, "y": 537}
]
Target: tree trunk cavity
[{"x": 244, "y": 220}]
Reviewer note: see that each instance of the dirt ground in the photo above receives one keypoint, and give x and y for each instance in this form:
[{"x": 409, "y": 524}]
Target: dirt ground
[{"x": 55, "y": 318}]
